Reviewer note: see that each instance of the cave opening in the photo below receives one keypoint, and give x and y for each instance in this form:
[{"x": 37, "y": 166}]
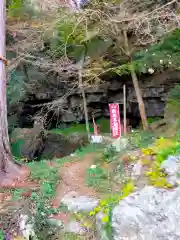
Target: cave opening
[
  {"x": 100, "y": 111},
  {"x": 54, "y": 118},
  {"x": 101, "y": 118}
]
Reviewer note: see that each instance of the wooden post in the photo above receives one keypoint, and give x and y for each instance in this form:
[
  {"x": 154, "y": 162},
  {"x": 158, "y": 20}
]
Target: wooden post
[
  {"x": 81, "y": 86},
  {"x": 124, "y": 110}
]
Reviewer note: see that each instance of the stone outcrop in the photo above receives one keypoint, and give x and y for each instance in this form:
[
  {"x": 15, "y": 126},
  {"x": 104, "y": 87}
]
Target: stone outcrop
[
  {"x": 57, "y": 145},
  {"x": 27, "y": 143},
  {"x": 150, "y": 214}
]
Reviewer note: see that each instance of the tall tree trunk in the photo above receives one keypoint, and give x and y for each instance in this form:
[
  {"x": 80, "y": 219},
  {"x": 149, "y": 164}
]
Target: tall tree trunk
[
  {"x": 84, "y": 96},
  {"x": 136, "y": 85},
  {"x": 5, "y": 154},
  {"x": 9, "y": 170},
  {"x": 139, "y": 98}
]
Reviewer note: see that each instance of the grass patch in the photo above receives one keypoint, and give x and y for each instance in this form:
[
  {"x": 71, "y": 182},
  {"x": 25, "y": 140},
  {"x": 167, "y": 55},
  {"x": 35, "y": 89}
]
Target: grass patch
[
  {"x": 98, "y": 178},
  {"x": 89, "y": 148},
  {"x": 101, "y": 175},
  {"x": 41, "y": 170},
  {"x": 81, "y": 127},
  {"x": 140, "y": 139},
  {"x": 74, "y": 128},
  {"x": 153, "y": 119},
  {"x": 71, "y": 236}
]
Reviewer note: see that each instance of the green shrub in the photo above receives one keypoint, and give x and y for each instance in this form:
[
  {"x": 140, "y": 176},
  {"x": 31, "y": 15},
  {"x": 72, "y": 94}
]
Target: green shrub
[
  {"x": 140, "y": 139},
  {"x": 173, "y": 104},
  {"x": 109, "y": 154},
  {"x": 97, "y": 177},
  {"x": 153, "y": 119}
]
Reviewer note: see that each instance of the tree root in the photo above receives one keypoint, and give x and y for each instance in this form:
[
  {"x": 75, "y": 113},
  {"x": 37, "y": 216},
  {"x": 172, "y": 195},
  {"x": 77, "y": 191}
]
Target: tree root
[{"x": 13, "y": 174}]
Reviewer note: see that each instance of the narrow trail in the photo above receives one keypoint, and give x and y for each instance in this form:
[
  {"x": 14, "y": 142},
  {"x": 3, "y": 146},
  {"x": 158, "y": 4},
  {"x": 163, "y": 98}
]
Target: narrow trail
[{"x": 72, "y": 179}]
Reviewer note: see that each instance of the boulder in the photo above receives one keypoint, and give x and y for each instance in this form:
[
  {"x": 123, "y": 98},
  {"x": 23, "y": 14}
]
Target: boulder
[
  {"x": 26, "y": 227},
  {"x": 34, "y": 144},
  {"x": 100, "y": 227},
  {"x": 171, "y": 166},
  {"x": 27, "y": 143},
  {"x": 75, "y": 227},
  {"x": 72, "y": 226},
  {"x": 78, "y": 138},
  {"x": 77, "y": 203},
  {"x": 137, "y": 170},
  {"x": 149, "y": 214},
  {"x": 58, "y": 145}
]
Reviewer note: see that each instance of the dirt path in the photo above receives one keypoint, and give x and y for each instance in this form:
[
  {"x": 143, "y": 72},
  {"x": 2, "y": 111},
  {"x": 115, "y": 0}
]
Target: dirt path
[{"x": 72, "y": 178}]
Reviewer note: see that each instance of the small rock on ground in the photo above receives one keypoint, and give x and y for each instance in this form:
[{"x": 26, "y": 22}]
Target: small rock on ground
[
  {"x": 75, "y": 228},
  {"x": 171, "y": 167},
  {"x": 77, "y": 203},
  {"x": 120, "y": 144},
  {"x": 72, "y": 226}
]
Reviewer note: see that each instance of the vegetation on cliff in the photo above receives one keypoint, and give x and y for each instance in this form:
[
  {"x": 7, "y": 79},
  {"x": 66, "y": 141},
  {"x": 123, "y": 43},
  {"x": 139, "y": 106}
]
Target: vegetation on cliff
[{"x": 124, "y": 38}]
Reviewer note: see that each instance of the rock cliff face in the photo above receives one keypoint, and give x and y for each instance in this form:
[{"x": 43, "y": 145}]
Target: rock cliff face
[{"x": 62, "y": 96}]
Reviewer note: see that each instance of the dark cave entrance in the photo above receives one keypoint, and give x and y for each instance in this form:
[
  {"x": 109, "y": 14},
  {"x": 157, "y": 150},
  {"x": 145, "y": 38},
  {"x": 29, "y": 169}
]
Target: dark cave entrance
[
  {"x": 53, "y": 119},
  {"x": 101, "y": 113}
]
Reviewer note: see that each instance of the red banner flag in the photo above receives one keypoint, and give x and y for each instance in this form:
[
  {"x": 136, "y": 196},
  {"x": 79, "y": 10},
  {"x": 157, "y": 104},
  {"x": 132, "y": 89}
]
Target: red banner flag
[{"x": 115, "y": 123}]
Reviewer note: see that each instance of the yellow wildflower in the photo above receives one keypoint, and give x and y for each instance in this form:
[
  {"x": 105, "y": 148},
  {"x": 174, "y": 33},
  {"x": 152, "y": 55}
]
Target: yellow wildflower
[
  {"x": 106, "y": 210},
  {"x": 92, "y": 214},
  {"x": 105, "y": 219},
  {"x": 87, "y": 225},
  {"x": 103, "y": 203},
  {"x": 97, "y": 209}
]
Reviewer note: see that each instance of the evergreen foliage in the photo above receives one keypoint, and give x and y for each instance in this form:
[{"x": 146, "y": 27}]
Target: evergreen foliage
[{"x": 159, "y": 56}]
